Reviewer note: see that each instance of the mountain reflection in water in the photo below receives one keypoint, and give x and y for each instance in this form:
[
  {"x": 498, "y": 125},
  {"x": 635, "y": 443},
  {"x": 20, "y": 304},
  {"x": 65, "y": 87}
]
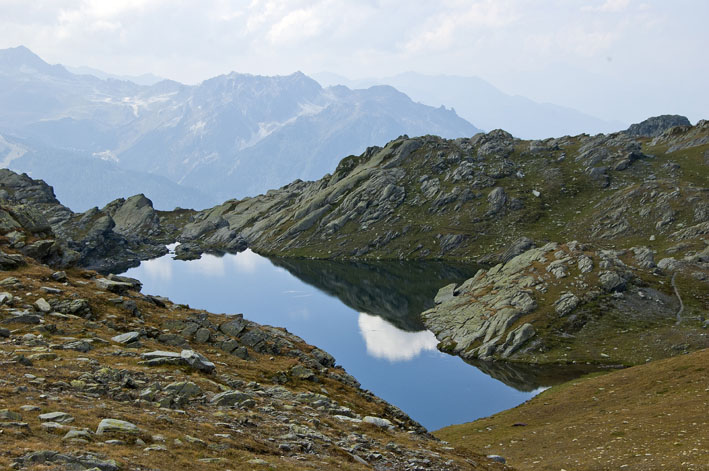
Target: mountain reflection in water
[{"x": 396, "y": 291}]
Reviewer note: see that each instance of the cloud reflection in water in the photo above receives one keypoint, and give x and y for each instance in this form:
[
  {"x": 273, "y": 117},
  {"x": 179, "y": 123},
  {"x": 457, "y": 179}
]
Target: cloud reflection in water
[
  {"x": 158, "y": 268},
  {"x": 385, "y": 341},
  {"x": 247, "y": 261}
]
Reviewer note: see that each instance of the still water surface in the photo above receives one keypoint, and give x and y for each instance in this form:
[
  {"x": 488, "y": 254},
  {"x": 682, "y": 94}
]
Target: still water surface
[{"x": 365, "y": 315}]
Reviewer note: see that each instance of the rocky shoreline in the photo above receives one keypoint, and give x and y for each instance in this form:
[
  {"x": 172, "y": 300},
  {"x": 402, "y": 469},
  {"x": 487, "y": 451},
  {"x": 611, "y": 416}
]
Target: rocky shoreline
[{"x": 99, "y": 375}]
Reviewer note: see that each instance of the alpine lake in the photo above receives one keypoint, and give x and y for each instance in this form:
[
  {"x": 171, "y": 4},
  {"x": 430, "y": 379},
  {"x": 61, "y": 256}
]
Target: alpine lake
[{"x": 367, "y": 315}]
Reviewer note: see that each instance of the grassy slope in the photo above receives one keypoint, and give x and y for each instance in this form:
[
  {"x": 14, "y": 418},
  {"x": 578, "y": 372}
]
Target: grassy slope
[{"x": 644, "y": 418}]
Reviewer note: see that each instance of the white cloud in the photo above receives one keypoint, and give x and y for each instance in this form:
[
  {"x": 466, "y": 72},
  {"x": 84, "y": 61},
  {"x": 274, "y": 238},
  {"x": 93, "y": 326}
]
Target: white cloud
[
  {"x": 208, "y": 265},
  {"x": 609, "y": 6},
  {"x": 294, "y": 26},
  {"x": 386, "y": 341},
  {"x": 465, "y": 20}
]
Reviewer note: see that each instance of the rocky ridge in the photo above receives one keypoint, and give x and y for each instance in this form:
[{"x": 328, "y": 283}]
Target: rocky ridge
[{"x": 472, "y": 199}]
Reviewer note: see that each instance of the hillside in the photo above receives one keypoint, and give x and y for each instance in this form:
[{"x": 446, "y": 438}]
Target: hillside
[
  {"x": 644, "y": 418},
  {"x": 97, "y": 375}
]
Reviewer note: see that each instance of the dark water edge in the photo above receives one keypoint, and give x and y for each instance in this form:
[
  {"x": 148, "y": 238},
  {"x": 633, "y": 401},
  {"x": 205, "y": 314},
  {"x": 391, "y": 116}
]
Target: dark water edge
[{"x": 527, "y": 378}]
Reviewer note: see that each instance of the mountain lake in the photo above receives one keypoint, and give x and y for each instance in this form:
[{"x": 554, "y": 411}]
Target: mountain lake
[{"x": 365, "y": 314}]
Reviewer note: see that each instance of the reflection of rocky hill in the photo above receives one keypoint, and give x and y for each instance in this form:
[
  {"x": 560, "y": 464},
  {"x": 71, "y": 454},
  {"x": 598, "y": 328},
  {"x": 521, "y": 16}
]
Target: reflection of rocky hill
[
  {"x": 395, "y": 291},
  {"x": 526, "y": 377}
]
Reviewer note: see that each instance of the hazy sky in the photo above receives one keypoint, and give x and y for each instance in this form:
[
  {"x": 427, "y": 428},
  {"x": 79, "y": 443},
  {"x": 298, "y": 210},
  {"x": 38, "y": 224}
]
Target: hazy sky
[{"x": 613, "y": 58}]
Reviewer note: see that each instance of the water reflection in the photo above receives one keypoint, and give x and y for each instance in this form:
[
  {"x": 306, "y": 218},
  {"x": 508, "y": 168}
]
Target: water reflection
[
  {"x": 531, "y": 378},
  {"x": 384, "y": 340},
  {"x": 366, "y": 315},
  {"x": 396, "y": 291}
]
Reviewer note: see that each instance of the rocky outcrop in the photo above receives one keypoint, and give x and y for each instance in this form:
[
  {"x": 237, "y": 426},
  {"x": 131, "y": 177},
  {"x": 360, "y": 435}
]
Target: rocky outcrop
[
  {"x": 655, "y": 126},
  {"x": 415, "y": 198},
  {"x": 111, "y": 239},
  {"x": 557, "y": 302}
]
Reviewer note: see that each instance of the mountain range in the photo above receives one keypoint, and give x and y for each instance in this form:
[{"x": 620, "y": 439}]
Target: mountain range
[
  {"x": 480, "y": 102},
  {"x": 230, "y": 136}
]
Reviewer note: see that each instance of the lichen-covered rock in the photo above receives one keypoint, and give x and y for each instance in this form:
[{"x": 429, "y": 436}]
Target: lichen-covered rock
[
  {"x": 117, "y": 427},
  {"x": 566, "y": 303}
]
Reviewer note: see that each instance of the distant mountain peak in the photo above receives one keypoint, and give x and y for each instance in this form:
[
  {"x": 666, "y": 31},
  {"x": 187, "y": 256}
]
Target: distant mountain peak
[
  {"x": 17, "y": 58},
  {"x": 19, "y": 55}
]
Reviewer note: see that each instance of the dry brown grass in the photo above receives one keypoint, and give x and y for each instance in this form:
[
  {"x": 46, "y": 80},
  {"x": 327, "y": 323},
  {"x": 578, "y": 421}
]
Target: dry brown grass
[{"x": 648, "y": 417}]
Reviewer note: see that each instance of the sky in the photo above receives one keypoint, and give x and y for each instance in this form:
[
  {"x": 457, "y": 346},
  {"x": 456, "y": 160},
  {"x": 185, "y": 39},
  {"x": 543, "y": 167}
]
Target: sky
[{"x": 615, "y": 59}]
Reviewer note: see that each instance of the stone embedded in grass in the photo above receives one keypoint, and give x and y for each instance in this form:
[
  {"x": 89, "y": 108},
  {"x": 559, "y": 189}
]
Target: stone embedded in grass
[
  {"x": 202, "y": 335},
  {"x": 566, "y": 303},
  {"x": 186, "y": 357},
  {"x": 118, "y": 287},
  {"x": 345, "y": 418},
  {"x": 233, "y": 327},
  {"x": 378, "y": 421},
  {"x": 6, "y": 414},
  {"x": 23, "y": 426},
  {"x": 58, "y": 417},
  {"x": 301, "y": 372},
  {"x": 155, "y": 448},
  {"x": 229, "y": 398},
  {"x": 116, "y": 427},
  {"x": 77, "y": 434},
  {"x": 79, "y": 345},
  {"x": 45, "y": 356},
  {"x": 161, "y": 354},
  {"x": 184, "y": 388},
  {"x": 65, "y": 461},
  {"x": 6, "y": 298},
  {"x": 126, "y": 338},
  {"x": 197, "y": 361},
  {"x": 50, "y": 290},
  {"x": 611, "y": 281},
  {"x": 195, "y": 440},
  {"x": 23, "y": 318},
  {"x": 42, "y": 305}
]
